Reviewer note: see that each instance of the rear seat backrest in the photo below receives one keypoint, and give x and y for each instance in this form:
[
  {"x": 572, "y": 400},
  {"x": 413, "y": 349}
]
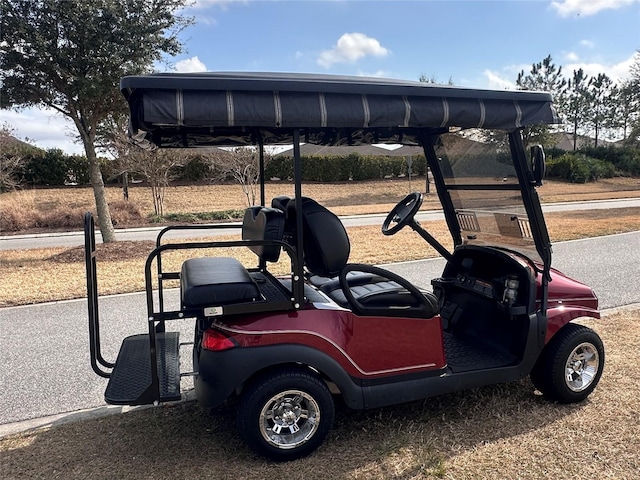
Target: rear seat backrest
[
  {"x": 264, "y": 223},
  {"x": 280, "y": 203}
]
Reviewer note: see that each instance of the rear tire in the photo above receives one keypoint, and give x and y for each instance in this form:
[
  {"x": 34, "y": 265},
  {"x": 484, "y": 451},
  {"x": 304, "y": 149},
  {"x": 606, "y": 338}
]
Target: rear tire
[
  {"x": 285, "y": 415},
  {"x": 571, "y": 364}
]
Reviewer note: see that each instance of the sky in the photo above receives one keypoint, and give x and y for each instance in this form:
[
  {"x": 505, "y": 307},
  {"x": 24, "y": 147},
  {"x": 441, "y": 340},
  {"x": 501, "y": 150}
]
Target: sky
[{"x": 473, "y": 43}]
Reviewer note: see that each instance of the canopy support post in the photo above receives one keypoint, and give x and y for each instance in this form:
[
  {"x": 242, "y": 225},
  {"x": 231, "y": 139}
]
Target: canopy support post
[
  {"x": 297, "y": 280},
  {"x": 261, "y": 166}
]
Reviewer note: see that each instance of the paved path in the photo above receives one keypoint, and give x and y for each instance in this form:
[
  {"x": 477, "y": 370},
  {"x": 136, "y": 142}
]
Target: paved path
[
  {"x": 73, "y": 239},
  {"x": 44, "y": 358}
]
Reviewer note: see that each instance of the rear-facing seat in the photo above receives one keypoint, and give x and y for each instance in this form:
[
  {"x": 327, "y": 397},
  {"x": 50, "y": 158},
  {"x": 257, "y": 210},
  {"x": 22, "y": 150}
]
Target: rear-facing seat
[
  {"x": 223, "y": 280},
  {"x": 215, "y": 281}
]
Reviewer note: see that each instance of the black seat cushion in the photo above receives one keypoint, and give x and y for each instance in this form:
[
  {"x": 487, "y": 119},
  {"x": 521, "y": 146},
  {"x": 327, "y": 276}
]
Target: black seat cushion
[
  {"x": 384, "y": 294},
  {"x": 263, "y": 223},
  {"x": 329, "y": 284},
  {"x": 215, "y": 281}
]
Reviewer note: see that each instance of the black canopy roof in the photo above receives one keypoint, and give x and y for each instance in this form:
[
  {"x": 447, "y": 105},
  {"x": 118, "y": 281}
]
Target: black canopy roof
[{"x": 230, "y": 108}]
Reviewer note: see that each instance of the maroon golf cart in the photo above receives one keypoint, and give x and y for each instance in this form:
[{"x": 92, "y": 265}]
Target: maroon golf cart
[{"x": 283, "y": 347}]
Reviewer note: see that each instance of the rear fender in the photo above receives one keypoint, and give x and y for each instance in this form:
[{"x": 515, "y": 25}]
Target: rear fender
[{"x": 558, "y": 317}]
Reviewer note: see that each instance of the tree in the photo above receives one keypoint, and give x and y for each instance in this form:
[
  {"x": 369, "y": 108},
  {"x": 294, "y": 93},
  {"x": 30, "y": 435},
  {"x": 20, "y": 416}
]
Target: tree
[
  {"x": 599, "y": 95},
  {"x": 633, "y": 88},
  {"x": 242, "y": 164},
  {"x": 11, "y": 159},
  {"x": 576, "y": 102},
  {"x": 434, "y": 80},
  {"x": 158, "y": 167},
  {"x": 625, "y": 108},
  {"x": 69, "y": 56},
  {"x": 543, "y": 76}
]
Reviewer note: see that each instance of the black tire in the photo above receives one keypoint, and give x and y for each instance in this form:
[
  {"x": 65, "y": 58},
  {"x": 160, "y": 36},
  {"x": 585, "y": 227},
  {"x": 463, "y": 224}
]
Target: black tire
[
  {"x": 571, "y": 364},
  {"x": 285, "y": 415}
]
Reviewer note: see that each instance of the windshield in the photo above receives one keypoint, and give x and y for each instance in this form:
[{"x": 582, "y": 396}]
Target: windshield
[{"x": 481, "y": 180}]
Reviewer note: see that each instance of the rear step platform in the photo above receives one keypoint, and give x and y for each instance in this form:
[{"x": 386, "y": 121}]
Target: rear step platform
[{"x": 130, "y": 382}]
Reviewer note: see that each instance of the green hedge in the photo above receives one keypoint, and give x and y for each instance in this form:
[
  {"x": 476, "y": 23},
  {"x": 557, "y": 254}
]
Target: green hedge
[
  {"x": 625, "y": 159},
  {"x": 578, "y": 168},
  {"x": 341, "y": 169},
  {"x": 53, "y": 167}
]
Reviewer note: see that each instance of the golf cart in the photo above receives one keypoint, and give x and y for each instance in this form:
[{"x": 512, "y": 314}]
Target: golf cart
[{"x": 283, "y": 347}]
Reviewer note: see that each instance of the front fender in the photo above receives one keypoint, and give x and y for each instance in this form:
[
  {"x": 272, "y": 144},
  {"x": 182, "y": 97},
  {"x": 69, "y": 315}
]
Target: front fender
[{"x": 558, "y": 317}]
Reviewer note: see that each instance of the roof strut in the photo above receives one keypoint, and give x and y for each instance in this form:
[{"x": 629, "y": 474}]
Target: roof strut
[{"x": 297, "y": 277}]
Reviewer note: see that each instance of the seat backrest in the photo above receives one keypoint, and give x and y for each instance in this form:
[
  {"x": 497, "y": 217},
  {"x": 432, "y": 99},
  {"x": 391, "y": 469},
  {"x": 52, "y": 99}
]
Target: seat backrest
[
  {"x": 281, "y": 203},
  {"x": 326, "y": 245},
  {"x": 264, "y": 223}
]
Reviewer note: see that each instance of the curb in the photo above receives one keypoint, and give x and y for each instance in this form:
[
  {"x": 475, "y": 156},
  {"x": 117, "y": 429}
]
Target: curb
[{"x": 79, "y": 416}]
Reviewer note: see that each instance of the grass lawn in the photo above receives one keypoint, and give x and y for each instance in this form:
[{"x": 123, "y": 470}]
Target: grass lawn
[{"x": 498, "y": 432}]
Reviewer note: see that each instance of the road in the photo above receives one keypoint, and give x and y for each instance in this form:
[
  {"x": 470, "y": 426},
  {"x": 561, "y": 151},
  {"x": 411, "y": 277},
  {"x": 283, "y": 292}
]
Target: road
[
  {"x": 74, "y": 239},
  {"x": 44, "y": 359}
]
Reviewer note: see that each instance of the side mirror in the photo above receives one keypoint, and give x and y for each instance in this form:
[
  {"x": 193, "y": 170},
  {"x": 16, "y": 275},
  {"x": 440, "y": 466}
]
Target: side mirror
[{"x": 538, "y": 164}]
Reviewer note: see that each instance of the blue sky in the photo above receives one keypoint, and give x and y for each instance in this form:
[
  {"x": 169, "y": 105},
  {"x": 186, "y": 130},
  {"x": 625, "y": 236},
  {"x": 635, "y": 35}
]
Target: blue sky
[{"x": 474, "y": 43}]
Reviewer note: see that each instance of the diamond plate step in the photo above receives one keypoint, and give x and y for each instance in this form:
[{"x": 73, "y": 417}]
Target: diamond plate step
[{"x": 130, "y": 382}]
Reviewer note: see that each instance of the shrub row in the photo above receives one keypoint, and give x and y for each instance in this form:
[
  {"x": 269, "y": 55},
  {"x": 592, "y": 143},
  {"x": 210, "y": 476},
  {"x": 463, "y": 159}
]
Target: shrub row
[
  {"x": 579, "y": 168},
  {"x": 339, "y": 169},
  {"x": 53, "y": 167}
]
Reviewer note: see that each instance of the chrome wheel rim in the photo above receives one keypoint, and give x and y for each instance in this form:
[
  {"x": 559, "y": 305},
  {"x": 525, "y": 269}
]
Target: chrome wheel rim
[
  {"x": 582, "y": 367},
  {"x": 289, "y": 419}
]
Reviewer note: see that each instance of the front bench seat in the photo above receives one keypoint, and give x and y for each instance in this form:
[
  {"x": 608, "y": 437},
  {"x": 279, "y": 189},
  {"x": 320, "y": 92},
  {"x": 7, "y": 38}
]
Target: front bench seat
[{"x": 365, "y": 289}]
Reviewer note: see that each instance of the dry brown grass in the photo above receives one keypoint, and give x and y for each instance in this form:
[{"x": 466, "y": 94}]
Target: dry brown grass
[
  {"x": 25, "y": 209},
  {"x": 42, "y": 275},
  {"x": 21, "y": 213},
  {"x": 499, "y": 432}
]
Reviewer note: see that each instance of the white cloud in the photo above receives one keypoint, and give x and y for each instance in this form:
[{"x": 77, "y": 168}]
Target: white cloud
[
  {"x": 617, "y": 71},
  {"x": 223, "y": 4},
  {"x": 571, "y": 57},
  {"x": 43, "y": 128},
  {"x": 497, "y": 81},
  {"x": 192, "y": 64},
  {"x": 350, "y": 48},
  {"x": 377, "y": 74},
  {"x": 566, "y": 8},
  {"x": 587, "y": 43}
]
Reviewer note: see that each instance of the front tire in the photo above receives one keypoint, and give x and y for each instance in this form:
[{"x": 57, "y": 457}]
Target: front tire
[
  {"x": 571, "y": 364},
  {"x": 285, "y": 415}
]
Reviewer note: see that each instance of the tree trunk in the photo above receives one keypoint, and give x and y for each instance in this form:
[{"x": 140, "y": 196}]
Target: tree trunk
[
  {"x": 99, "y": 194},
  {"x": 102, "y": 207}
]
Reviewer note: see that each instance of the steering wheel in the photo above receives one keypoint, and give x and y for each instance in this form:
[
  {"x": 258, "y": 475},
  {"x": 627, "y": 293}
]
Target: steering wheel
[{"x": 402, "y": 213}]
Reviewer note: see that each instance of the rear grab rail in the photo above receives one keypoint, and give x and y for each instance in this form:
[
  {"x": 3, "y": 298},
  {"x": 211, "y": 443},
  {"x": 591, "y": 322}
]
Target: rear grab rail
[{"x": 98, "y": 363}]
